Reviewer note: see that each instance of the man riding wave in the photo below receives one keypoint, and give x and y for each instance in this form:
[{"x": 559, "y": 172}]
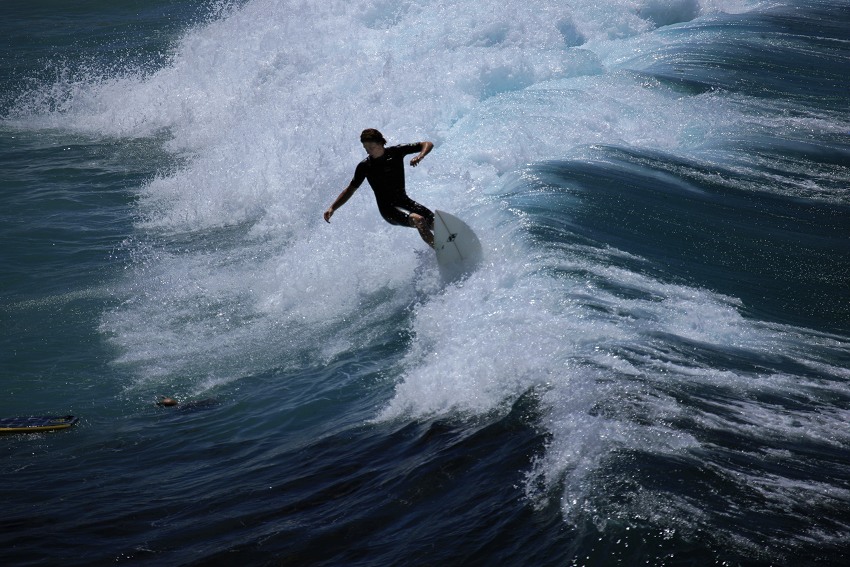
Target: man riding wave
[{"x": 384, "y": 169}]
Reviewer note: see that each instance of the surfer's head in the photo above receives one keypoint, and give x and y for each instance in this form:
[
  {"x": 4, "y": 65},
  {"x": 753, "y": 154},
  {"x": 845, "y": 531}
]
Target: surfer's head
[
  {"x": 373, "y": 142},
  {"x": 372, "y": 135},
  {"x": 166, "y": 401}
]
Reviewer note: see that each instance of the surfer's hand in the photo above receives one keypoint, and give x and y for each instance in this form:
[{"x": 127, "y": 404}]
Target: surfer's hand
[
  {"x": 426, "y": 147},
  {"x": 328, "y": 214}
]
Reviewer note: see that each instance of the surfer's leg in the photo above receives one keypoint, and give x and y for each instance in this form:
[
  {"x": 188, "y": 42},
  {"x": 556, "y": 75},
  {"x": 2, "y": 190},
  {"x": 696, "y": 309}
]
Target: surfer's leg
[
  {"x": 425, "y": 212},
  {"x": 422, "y": 219},
  {"x": 421, "y": 224},
  {"x": 414, "y": 215}
]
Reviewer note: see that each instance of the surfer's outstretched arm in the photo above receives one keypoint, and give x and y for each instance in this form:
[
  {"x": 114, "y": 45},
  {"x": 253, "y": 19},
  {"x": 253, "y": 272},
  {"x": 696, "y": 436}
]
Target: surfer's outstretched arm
[
  {"x": 426, "y": 148},
  {"x": 340, "y": 201}
]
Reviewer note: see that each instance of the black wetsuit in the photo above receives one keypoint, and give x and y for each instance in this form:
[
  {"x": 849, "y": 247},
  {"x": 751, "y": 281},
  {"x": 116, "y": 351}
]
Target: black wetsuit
[{"x": 386, "y": 178}]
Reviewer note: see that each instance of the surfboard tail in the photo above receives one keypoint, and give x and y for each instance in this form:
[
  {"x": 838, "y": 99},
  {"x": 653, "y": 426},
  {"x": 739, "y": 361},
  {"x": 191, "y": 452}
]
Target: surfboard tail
[{"x": 456, "y": 244}]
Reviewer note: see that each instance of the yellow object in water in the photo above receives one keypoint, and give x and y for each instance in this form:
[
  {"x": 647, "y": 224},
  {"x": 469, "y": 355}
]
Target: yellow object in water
[{"x": 36, "y": 423}]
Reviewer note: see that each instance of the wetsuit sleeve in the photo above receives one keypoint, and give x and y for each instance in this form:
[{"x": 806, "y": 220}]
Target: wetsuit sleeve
[
  {"x": 359, "y": 175},
  {"x": 406, "y": 149}
]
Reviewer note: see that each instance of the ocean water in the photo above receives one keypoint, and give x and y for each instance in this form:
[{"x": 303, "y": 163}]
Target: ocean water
[{"x": 650, "y": 367}]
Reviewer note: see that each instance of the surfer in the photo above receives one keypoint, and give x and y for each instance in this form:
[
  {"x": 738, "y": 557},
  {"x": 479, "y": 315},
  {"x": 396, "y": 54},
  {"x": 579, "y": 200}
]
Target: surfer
[{"x": 384, "y": 169}]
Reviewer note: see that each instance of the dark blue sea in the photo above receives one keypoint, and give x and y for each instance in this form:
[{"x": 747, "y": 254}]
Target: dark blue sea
[{"x": 650, "y": 367}]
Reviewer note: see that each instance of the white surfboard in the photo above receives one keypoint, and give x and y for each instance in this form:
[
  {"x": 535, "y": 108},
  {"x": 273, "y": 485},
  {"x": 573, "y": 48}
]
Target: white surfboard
[{"x": 458, "y": 248}]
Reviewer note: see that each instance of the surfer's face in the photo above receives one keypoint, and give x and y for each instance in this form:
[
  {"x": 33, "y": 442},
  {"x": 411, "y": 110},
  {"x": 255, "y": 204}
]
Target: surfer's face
[{"x": 374, "y": 149}]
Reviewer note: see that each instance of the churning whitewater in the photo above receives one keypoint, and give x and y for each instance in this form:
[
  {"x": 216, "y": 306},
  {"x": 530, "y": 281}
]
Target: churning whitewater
[{"x": 653, "y": 351}]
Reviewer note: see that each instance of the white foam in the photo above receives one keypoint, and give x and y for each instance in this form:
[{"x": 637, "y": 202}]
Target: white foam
[{"x": 266, "y": 110}]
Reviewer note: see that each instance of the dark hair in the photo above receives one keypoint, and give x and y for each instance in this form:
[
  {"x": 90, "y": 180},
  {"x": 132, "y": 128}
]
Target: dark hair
[{"x": 372, "y": 135}]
